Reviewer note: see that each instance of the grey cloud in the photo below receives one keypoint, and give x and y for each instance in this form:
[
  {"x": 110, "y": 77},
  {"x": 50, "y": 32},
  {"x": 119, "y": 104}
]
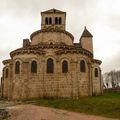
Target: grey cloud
[
  {"x": 84, "y": 10},
  {"x": 114, "y": 22},
  {"x": 24, "y": 7},
  {"x": 112, "y": 63}
]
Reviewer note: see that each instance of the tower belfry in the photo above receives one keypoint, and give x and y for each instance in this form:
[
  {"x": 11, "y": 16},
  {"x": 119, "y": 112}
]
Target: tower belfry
[{"x": 54, "y": 19}]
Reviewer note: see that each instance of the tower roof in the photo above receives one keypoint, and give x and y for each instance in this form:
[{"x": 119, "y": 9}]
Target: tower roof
[
  {"x": 53, "y": 11},
  {"x": 86, "y": 33}
]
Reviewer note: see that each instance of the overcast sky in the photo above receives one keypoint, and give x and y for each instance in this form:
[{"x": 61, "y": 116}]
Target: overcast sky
[{"x": 19, "y": 18}]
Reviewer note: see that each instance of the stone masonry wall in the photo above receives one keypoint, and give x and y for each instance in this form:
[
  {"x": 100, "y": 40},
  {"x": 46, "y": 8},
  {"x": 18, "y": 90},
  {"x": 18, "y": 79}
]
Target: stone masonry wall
[
  {"x": 51, "y": 36},
  {"x": 28, "y": 85}
]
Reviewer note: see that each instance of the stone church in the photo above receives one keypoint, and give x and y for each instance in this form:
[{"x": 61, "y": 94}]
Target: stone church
[{"x": 51, "y": 65}]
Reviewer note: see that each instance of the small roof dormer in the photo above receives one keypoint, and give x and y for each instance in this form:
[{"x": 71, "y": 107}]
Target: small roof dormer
[{"x": 53, "y": 19}]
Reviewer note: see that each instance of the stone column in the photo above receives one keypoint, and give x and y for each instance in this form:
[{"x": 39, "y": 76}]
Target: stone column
[
  {"x": 1, "y": 86},
  {"x": 101, "y": 83},
  {"x": 2, "y": 83},
  {"x": 10, "y": 83},
  {"x": 90, "y": 79},
  {"x": 25, "y": 80},
  {"x": 75, "y": 81},
  {"x": 58, "y": 72},
  {"x": 43, "y": 72}
]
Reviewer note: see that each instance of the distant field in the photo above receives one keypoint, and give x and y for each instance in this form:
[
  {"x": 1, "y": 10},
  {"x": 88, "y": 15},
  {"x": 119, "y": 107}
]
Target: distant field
[{"x": 107, "y": 105}]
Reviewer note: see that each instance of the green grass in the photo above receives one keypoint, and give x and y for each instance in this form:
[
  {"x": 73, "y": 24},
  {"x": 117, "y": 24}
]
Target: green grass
[{"x": 107, "y": 105}]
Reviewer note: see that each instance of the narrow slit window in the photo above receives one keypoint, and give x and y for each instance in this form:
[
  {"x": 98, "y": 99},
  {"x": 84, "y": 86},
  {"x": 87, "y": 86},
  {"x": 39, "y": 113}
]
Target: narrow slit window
[
  {"x": 17, "y": 67},
  {"x": 96, "y": 72},
  {"x": 56, "y": 20},
  {"x": 82, "y": 66},
  {"x": 34, "y": 67},
  {"x": 50, "y": 20},
  {"x": 6, "y": 73},
  {"x": 46, "y": 21},
  {"x": 60, "y": 20},
  {"x": 50, "y": 66},
  {"x": 64, "y": 66}
]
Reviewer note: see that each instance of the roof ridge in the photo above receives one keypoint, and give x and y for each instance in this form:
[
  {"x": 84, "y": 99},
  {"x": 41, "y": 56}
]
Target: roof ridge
[{"x": 53, "y": 10}]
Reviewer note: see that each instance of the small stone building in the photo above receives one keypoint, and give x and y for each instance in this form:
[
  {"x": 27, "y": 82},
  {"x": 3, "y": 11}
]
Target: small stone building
[{"x": 51, "y": 65}]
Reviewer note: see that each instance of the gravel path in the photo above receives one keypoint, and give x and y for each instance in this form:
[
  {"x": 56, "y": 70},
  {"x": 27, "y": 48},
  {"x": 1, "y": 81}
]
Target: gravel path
[{"x": 32, "y": 112}]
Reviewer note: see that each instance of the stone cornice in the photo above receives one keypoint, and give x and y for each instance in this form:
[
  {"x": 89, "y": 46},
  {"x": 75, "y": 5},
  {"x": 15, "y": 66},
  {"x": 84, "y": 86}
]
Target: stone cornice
[
  {"x": 61, "y": 49},
  {"x": 51, "y": 30},
  {"x": 50, "y": 13},
  {"x": 53, "y": 46},
  {"x": 77, "y": 51},
  {"x": 24, "y": 51},
  {"x": 97, "y": 61},
  {"x": 6, "y": 61}
]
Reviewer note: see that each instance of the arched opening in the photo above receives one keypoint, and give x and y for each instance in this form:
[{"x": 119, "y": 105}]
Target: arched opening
[
  {"x": 17, "y": 67},
  {"x": 50, "y": 20},
  {"x": 50, "y": 66},
  {"x": 60, "y": 20},
  {"x": 46, "y": 21},
  {"x": 82, "y": 66},
  {"x": 34, "y": 67},
  {"x": 56, "y": 20},
  {"x": 51, "y": 43},
  {"x": 96, "y": 72},
  {"x": 6, "y": 73},
  {"x": 64, "y": 66}
]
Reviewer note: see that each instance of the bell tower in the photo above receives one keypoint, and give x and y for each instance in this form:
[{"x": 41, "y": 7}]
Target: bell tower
[{"x": 53, "y": 19}]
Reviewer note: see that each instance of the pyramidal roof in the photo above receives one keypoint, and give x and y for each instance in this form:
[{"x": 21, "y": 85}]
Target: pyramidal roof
[
  {"x": 86, "y": 33},
  {"x": 53, "y": 11}
]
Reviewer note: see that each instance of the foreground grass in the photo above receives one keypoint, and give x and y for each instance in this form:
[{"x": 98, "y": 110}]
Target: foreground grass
[{"x": 107, "y": 105}]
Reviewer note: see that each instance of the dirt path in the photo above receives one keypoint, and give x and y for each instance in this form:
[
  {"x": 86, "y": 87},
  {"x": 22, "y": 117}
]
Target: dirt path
[{"x": 32, "y": 112}]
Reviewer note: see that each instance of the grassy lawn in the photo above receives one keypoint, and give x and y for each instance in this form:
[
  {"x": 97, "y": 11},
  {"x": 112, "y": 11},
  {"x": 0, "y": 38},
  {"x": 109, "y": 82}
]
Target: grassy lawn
[{"x": 107, "y": 105}]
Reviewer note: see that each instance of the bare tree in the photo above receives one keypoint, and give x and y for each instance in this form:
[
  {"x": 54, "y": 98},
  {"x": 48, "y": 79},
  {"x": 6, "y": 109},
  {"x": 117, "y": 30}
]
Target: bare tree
[{"x": 112, "y": 77}]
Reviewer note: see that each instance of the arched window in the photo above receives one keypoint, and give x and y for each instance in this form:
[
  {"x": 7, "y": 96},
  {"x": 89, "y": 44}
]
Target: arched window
[
  {"x": 50, "y": 66},
  {"x": 50, "y": 20},
  {"x": 82, "y": 66},
  {"x": 51, "y": 43},
  {"x": 6, "y": 73},
  {"x": 17, "y": 67},
  {"x": 60, "y": 20},
  {"x": 34, "y": 67},
  {"x": 96, "y": 72},
  {"x": 64, "y": 66},
  {"x": 56, "y": 20},
  {"x": 46, "y": 21}
]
